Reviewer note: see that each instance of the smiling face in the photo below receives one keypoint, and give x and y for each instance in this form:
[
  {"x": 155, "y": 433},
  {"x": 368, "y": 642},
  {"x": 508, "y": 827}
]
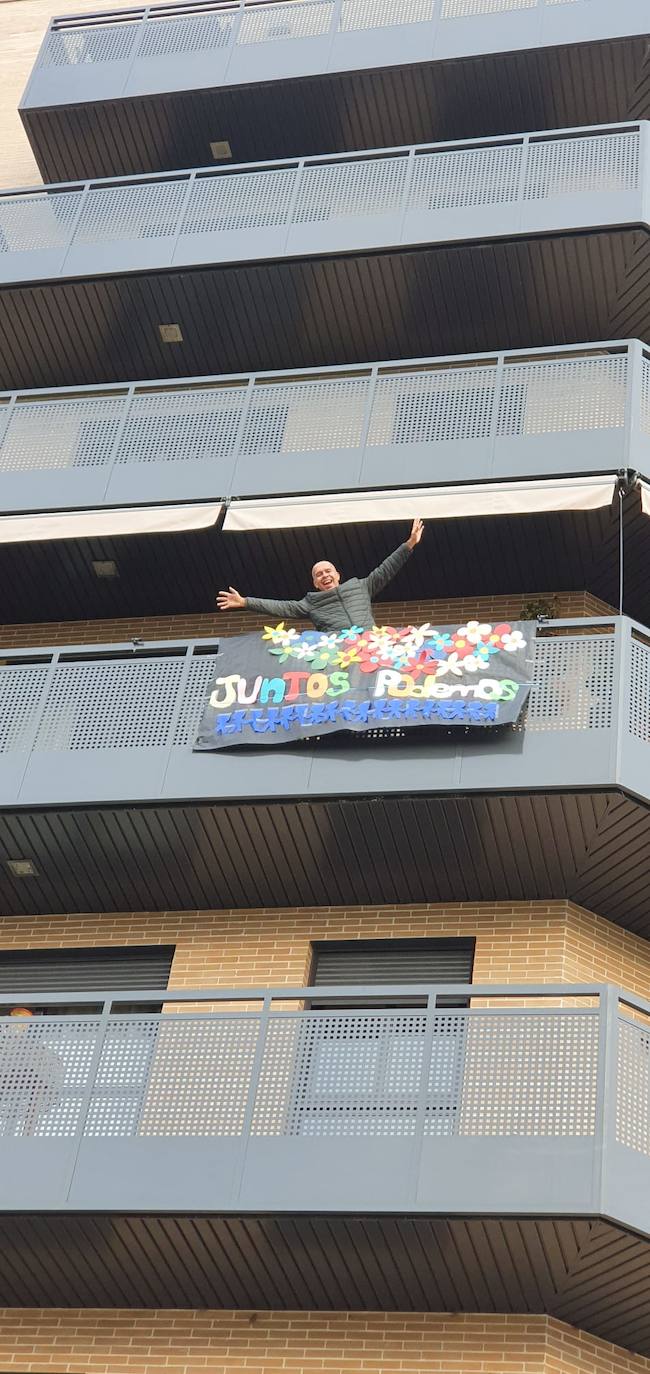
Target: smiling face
[{"x": 325, "y": 577}]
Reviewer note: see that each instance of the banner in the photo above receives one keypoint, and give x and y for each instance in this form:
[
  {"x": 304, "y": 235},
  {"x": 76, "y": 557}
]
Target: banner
[{"x": 285, "y": 684}]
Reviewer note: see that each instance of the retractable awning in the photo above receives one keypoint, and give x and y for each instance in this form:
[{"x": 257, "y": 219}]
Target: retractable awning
[
  {"x": 86, "y": 524},
  {"x": 430, "y": 503}
]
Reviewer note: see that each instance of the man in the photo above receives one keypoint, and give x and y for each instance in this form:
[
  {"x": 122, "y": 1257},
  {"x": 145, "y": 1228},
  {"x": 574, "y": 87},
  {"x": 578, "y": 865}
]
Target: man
[{"x": 333, "y": 605}]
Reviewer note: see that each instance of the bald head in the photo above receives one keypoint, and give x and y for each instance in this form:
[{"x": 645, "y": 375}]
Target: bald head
[{"x": 325, "y": 576}]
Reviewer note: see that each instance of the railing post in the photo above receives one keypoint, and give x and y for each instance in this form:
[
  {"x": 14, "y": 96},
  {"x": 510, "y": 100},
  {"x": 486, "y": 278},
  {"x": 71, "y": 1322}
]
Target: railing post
[
  {"x": 622, "y": 687},
  {"x": 37, "y": 715},
  {"x": 633, "y": 406},
  {"x": 293, "y": 198},
  {"x": 606, "y": 1084},
  {"x": 183, "y": 209},
  {"x": 180, "y": 694},
  {"x": 119, "y": 431},
  {"x": 84, "y": 1107},
  {"x": 423, "y": 1091},
  {"x": 83, "y": 201},
  {"x": 6, "y": 414},
  {"x": 239, "y": 437},
  {"x": 237, "y": 23},
  {"x": 249, "y": 1110},
  {"x": 139, "y": 35},
  {"x": 523, "y": 170},
  {"x": 337, "y": 17},
  {"x": 373, "y": 382}
]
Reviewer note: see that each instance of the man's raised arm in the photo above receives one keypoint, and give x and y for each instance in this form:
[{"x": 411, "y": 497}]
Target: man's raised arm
[
  {"x": 390, "y": 567},
  {"x": 284, "y": 610}
]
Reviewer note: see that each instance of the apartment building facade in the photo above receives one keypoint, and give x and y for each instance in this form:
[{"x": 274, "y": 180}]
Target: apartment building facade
[{"x": 338, "y": 1052}]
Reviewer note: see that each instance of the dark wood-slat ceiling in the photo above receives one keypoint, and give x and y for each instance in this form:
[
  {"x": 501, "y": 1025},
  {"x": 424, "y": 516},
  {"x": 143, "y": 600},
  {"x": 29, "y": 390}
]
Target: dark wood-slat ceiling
[
  {"x": 585, "y": 1271},
  {"x": 473, "y": 97},
  {"x": 592, "y": 848}
]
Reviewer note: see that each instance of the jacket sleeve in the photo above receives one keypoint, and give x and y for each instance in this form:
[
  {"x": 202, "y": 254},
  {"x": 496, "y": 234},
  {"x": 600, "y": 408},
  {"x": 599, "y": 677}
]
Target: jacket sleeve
[
  {"x": 284, "y": 610},
  {"x": 387, "y": 570}
]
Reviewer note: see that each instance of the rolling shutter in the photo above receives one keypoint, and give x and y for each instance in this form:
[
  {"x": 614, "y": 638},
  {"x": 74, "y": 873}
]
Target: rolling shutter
[
  {"x": 27, "y": 971},
  {"x": 354, "y": 962},
  {"x": 85, "y": 970}
]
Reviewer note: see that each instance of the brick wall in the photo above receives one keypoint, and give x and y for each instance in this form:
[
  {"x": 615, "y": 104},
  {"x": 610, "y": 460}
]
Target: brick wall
[
  {"x": 515, "y": 942},
  {"x": 94, "y": 1342},
  {"x": 23, "y": 27},
  {"x": 568, "y": 604}
]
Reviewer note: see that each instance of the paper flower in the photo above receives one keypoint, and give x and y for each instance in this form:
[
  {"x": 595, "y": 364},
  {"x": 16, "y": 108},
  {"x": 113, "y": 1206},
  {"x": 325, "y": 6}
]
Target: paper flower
[
  {"x": 474, "y": 631},
  {"x": 513, "y": 642}
]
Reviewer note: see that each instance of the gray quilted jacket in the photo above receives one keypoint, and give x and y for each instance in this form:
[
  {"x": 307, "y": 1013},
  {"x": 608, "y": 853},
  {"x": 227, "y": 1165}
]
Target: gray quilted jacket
[{"x": 349, "y": 604}]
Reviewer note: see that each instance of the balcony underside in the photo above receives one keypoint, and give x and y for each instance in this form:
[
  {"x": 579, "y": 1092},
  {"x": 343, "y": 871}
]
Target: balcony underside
[
  {"x": 591, "y": 847},
  {"x": 313, "y": 312},
  {"x": 478, "y": 96},
  {"x": 181, "y": 573},
  {"x": 587, "y": 1272}
]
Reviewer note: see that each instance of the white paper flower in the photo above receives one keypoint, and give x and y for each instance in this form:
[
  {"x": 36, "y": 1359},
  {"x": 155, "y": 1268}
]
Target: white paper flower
[
  {"x": 513, "y": 642},
  {"x": 474, "y": 631},
  {"x": 451, "y": 665}
]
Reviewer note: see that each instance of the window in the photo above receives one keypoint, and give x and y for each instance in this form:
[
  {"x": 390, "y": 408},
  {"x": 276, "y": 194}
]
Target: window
[
  {"x": 366, "y": 1069},
  {"x": 114, "y": 969}
]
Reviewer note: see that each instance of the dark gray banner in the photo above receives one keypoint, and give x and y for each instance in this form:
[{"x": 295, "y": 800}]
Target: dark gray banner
[{"x": 285, "y": 684}]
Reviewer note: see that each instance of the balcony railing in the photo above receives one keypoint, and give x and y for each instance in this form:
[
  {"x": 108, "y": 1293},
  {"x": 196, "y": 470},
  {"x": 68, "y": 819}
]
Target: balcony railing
[
  {"x": 234, "y": 33},
  {"x": 117, "y": 723},
  {"x": 388, "y": 197},
  {"x": 439, "y": 419},
  {"x": 279, "y": 1090}
]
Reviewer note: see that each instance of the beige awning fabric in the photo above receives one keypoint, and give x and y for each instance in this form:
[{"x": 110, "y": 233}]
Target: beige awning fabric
[
  {"x": 430, "y": 503},
  {"x": 645, "y": 496},
  {"x": 86, "y": 524}
]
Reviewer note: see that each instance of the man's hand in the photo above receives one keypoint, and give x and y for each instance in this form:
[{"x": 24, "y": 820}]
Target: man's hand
[
  {"x": 417, "y": 530},
  {"x": 231, "y": 600}
]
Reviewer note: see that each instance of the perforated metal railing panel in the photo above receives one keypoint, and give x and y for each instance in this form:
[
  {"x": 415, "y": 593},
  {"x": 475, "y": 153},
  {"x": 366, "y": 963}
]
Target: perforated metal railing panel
[
  {"x": 529, "y": 1075},
  {"x": 320, "y": 1074},
  {"x": 21, "y": 689},
  {"x": 145, "y": 210},
  {"x": 45, "y": 1069},
  {"x": 32, "y": 222},
  {"x": 203, "y": 29},
  {"x": 377, "y": 14},
  {"x": 301, "y": 417},
  {"x": 90, "y": 43},
  {"x": 120, "y": 704},
  {"x": 645, "y": 395},
  {"x": 563, "y": 396},
  {"x": 573, "y": 684},
  {"x": 639, "y": 691},
  {"x": 182, "y": 426},
  {"x": 369, "y": 186},
  {"x": 433, "y": 407},
  {"x": 185, "y": 33},
  {"x": 215, "y": 422},
  {"x": 61, "y": 433},
  {"x": 223, "y": 201},
  {"x": 633, "y": 1086},
  {"x": 183, "y": 1076},
  {"x": 275, "y": 23},
  {"x": 466, "y": 177},
  {"x": 239, "y": 200},
  {"x": 582, "y": 165}
]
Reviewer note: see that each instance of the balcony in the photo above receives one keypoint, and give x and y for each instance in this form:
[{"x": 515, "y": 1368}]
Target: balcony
[
  {"x": 98, "y": 743},
  {"x": 152, "y": 88},
  {"x": 473, "y": 418},
  {"x": 219, "y": 1157},
  {"x": 327, "y": 261}
]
